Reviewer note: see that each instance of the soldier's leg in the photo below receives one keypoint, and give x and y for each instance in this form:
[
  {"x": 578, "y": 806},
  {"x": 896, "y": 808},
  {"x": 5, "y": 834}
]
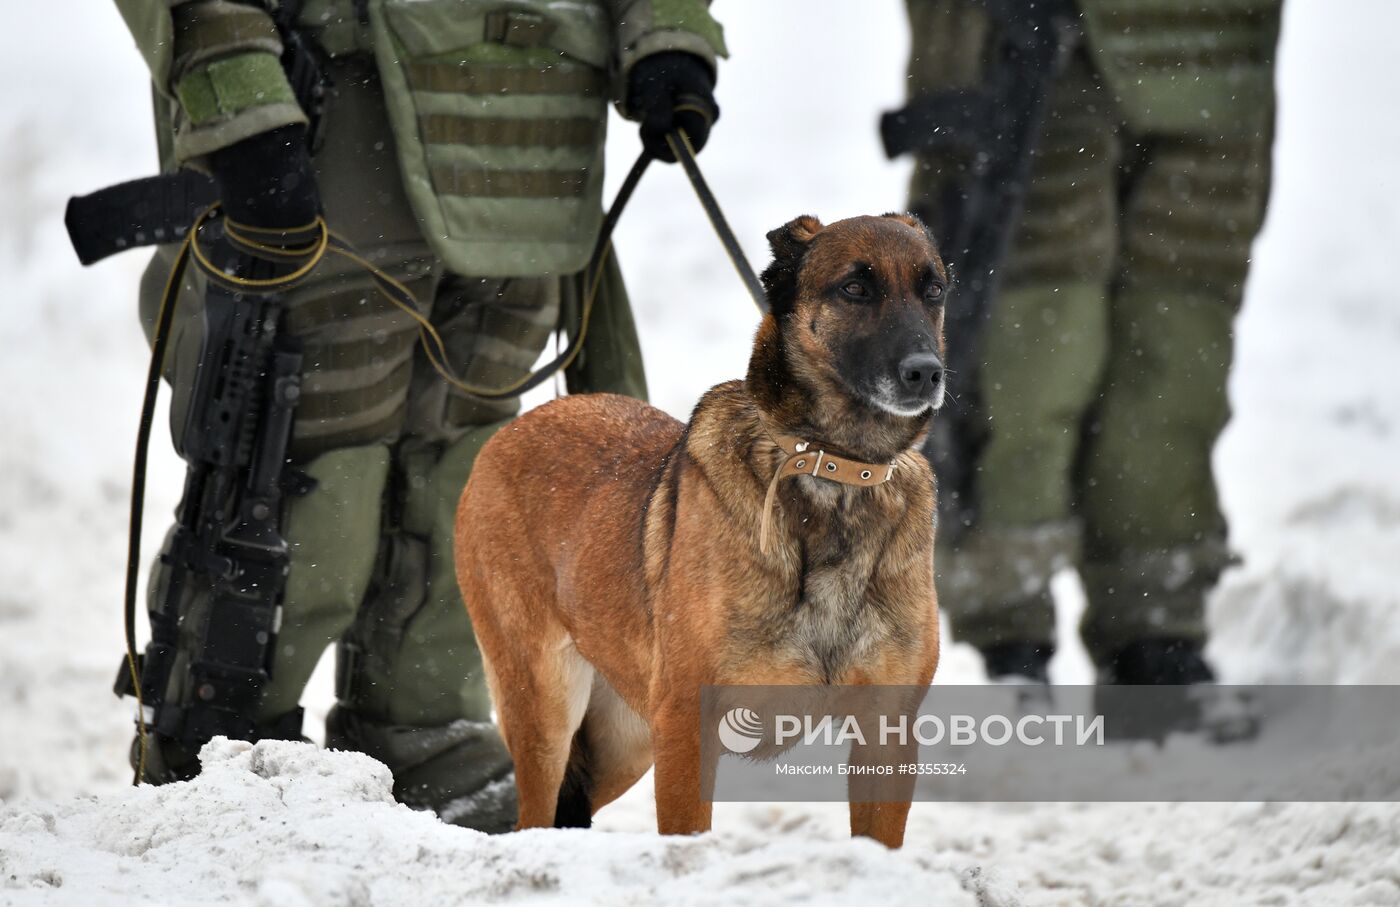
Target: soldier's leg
[
  {"x": 1156, "y": 539},
  {"x": 332, "y": 533},
  {"x": 357, "y": 366},
  {"x": 358, "y": 354},
  {"x": 355, "y": 391},
  {"x": 494, "y": 329},
  {"x": 332, "y": 530},
  {"x": 1042, "y": 354},
  {"x": 413, "y": 691}
]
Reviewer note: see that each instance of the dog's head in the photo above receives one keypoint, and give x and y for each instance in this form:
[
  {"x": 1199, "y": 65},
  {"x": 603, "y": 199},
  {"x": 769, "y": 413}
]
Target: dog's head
[{"x": 857, "y": 312}]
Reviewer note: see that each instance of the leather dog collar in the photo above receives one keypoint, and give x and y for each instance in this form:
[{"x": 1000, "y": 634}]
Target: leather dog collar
[{"x": 804, "y": 459}]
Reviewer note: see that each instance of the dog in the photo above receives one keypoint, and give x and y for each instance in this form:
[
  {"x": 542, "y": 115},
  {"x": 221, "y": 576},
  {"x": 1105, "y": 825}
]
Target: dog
[{"x": 614, "y": 561}]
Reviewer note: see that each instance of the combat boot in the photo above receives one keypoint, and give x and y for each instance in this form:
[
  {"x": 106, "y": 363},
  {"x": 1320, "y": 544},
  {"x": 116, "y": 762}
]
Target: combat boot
[
  {"x": 167, "y": 760},
  {"x": 1025, "y": 666},
  {"x": 994, "y": 585},
  {"x": 1158, "y": 661},
  {"x": 1024, "y": 661},
  {"x": 461, "y": 770},
  {"x": 1173, "y": 691}
]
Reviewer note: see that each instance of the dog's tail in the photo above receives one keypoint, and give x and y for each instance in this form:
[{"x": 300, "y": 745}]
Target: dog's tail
[{"x": 575, "y": 808}]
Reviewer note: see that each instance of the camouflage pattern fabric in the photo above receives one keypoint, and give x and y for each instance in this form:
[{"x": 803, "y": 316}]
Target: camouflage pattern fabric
[{"x": 1106, "y": 362}]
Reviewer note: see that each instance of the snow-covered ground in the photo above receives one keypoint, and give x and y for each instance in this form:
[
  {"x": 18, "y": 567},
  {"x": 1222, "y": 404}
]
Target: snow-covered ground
[{"x": 1310, "y": 470}]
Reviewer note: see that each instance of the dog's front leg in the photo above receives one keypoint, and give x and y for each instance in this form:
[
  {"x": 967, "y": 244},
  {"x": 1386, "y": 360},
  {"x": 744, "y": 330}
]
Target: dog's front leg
[
  {"x": 681, "y": 770},
  {"x": 882, "y": 821},
  {"x": 879, "y": 801}
]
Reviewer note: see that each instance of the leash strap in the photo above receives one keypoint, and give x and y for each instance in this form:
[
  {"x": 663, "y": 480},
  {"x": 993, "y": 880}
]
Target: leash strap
[
  {"x": 800, "y": 459},
  {"x": 685, "y": 153}
]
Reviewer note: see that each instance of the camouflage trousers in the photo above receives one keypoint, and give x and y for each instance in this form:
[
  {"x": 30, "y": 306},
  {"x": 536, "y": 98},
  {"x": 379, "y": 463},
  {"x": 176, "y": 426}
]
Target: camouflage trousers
[
  {"x": 1105, "y": 365},
  {"x": 389, "y": 445}
]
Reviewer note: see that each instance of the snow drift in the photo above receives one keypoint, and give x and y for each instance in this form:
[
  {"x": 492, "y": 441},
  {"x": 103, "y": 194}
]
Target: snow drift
[{"x": 290, "y": 825}]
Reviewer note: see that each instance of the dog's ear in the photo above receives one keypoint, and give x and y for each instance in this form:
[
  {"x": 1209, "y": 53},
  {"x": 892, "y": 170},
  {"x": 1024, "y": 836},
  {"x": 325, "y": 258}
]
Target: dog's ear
[{"x": 789, "y": 243}]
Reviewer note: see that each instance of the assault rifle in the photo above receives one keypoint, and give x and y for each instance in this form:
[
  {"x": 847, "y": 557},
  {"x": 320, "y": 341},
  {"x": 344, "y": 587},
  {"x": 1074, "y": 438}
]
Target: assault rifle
[
  {"x": 994, "y": 127},
  {"x": 227, "y": 548}
]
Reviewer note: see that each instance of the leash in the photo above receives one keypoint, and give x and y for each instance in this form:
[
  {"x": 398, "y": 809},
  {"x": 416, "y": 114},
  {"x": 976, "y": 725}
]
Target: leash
[
  {"x": 301, "y": 250},
  {"x": 685, "y": 153}
]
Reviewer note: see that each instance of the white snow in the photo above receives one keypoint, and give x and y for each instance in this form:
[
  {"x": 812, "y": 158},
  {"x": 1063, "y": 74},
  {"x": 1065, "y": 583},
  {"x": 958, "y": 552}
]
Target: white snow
[
  {"x": 289, "y": 825},
  {"x": 1310, "y": 473}
]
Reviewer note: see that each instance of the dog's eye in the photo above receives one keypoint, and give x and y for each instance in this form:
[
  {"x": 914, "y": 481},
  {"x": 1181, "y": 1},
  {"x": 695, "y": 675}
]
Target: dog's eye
[
  {"x": 934, "y": 293},
  {"x": 854, "y": 289}
]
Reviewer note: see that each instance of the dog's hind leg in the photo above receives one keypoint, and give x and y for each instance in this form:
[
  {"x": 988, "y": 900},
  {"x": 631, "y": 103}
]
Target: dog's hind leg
[
  {"x": 617, "y": 743},
  {"x": 574, "y": 805},
  {"x": 540, "y": 695}
]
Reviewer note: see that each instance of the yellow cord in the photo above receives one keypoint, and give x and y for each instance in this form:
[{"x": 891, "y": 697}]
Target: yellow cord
[
  {"x": 312, "y": 253},
  {"x": 168, "y": 298},
  {"x": 309, "y": 255},
  {"x": 435, "y": 348},
  {"x": 276, "y": 244}
]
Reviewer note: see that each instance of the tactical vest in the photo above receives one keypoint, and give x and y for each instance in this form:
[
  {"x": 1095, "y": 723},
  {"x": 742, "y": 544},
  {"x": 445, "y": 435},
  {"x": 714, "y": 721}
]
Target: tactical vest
[
  {"x": 1187, "y": 66},
  {"x": 499, "y": 113}
]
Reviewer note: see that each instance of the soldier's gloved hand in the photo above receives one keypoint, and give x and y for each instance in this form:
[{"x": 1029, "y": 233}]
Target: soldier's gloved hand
[
  {"x": 267, "y": 179},
  {"x": 672, "y": 90}
]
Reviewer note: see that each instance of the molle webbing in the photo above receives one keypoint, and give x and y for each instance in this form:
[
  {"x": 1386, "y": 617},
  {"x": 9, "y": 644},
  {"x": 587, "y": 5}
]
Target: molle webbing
[
  {"x": 1195, "y": 211},
  {"x": 356, "y": 400},
  {"x": 499, "y": 118},
  {"x": 357, "y": 362},
  {"x": 492, "y": 79},
  {"x": 1170, "y": 52},
  {"x": 1140, "y": 18},
  {"x": 447, "y": 129},
  {"x": 366, "y": 351},
  {"x": 547, "y": 184}
]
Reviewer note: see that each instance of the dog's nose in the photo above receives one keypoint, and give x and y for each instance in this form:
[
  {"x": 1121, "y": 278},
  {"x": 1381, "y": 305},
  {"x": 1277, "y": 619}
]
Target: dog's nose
[{"x": 920, "y": 373}]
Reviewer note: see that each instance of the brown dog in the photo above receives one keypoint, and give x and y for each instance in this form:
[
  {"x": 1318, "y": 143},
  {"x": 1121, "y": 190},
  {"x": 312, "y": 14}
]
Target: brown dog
[{"x": 614, "y": 561}]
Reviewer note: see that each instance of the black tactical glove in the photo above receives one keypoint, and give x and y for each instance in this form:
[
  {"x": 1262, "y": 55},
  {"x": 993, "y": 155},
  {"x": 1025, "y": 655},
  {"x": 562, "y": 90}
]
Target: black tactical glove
[
  {"x": 267, "y": 180},
  {"x": 672, "y": 90}
]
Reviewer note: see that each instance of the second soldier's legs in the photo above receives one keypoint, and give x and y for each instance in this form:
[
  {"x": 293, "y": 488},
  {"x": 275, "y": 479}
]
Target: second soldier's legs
[
  {"x": 1043, "y": 352},
  {"x": 1155, "y": 536}
]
